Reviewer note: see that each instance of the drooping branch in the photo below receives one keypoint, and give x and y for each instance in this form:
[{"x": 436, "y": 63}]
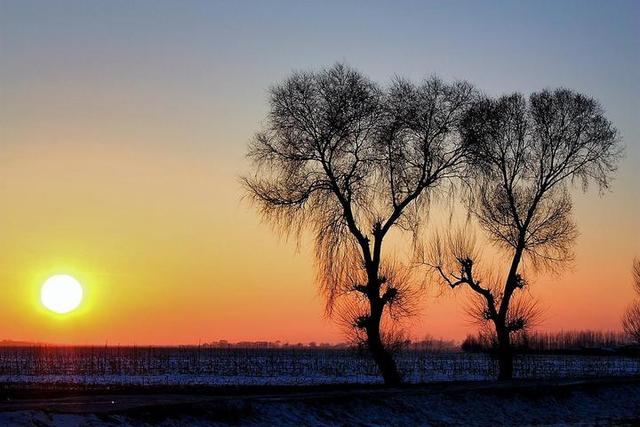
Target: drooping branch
[
  {"x": 523, "y": 155},
  {"x": 348, "y": 161}
]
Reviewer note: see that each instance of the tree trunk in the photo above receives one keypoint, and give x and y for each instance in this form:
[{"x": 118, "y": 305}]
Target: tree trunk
[
  {"x": 505, "y": 355},
  {"x": 382, "y": 357}
]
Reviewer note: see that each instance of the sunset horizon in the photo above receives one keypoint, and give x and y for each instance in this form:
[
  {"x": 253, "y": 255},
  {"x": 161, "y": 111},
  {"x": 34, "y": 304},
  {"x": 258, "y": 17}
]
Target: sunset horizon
[{"x": 125, "y": 174}]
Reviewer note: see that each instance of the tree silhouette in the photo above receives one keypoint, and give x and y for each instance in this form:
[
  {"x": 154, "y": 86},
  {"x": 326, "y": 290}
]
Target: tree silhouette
[
  {"x": 349, "y": 161},
  {"x": 631, "y": 318},
  {"x": 522, "y": 157}
]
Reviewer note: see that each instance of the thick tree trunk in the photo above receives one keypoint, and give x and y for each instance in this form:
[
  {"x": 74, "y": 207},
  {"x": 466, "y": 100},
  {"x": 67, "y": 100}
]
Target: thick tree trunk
[
  {"x": 505, "y": 355},
  {"x": 382, "y": 357}
]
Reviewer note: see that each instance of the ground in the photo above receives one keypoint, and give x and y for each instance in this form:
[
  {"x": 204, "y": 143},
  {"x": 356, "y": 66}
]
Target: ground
[{"x": 522, "y": 402}]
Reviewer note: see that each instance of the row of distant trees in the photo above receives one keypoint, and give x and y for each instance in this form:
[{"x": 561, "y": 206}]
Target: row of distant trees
[
  {"x": 563, "y": 342},
  {"x": 354, "y": 162},
  {"x": 428, "y": 344}
]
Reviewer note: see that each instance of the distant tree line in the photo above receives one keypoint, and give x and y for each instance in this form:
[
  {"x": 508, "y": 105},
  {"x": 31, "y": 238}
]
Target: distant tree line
[
  {"x": 271, "y": 344},
  {"x": 428, "y": 344},
  {"x": 563, "y": 342}
]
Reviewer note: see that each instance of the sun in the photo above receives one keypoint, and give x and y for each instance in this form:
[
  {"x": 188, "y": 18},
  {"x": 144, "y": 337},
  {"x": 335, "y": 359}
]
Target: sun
[{"x": 61, "y": 293}]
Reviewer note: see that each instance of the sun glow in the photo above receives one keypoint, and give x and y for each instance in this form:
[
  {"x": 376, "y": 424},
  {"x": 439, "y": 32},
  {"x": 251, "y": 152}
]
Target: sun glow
[{"x": 61, "y": 293}]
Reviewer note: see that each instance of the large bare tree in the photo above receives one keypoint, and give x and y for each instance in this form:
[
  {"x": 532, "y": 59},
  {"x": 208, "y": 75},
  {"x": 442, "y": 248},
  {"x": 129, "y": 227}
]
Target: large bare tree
[
  {"x": 631, "y": 318},
  {"x": 343, "y": 158},
  {"x": 523, "y": 156}
]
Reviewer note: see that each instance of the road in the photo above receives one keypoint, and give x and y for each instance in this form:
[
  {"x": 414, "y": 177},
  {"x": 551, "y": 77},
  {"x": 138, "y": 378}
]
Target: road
[{"x": 588, "y": 402}]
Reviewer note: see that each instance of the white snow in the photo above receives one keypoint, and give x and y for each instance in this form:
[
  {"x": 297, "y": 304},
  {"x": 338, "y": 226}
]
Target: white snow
[{"x": 279, "y": 367}]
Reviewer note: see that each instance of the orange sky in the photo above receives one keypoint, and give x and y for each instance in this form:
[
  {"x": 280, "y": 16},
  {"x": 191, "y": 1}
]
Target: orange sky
[{"x": 119, "y": 164}]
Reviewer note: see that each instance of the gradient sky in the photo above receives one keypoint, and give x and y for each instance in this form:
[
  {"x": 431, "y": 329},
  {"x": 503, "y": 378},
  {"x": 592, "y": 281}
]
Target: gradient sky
[{"x": 123, "y": 129}]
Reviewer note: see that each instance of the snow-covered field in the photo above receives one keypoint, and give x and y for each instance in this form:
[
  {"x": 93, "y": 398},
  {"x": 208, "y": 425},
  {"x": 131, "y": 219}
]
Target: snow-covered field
[{"x": 218, "y": 367}]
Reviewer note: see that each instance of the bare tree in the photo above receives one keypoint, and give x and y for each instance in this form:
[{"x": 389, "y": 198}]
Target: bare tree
[
  {"x": 631, "y": 318},
  {"x": 522, "y": 157},
  {"x": 636, "y": 275},
  {"x": 349, "y": 161},
  {"x": 456, "y": 260}
]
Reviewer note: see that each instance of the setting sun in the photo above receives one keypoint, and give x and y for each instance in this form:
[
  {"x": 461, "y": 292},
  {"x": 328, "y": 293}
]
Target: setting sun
[{"x": 61, "y": 293}]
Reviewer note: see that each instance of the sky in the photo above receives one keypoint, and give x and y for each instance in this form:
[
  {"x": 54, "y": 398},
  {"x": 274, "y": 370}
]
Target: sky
[{"x": 124, "y": 128}]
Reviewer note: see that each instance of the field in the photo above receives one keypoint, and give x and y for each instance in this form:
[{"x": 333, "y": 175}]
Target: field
[
  {"x": 209, "y": 386},
  {"x": 277, "y": 366}
]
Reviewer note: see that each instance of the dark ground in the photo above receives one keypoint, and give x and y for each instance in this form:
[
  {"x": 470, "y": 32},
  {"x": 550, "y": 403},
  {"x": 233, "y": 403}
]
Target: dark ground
[{"x": 581, "y": 403}]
